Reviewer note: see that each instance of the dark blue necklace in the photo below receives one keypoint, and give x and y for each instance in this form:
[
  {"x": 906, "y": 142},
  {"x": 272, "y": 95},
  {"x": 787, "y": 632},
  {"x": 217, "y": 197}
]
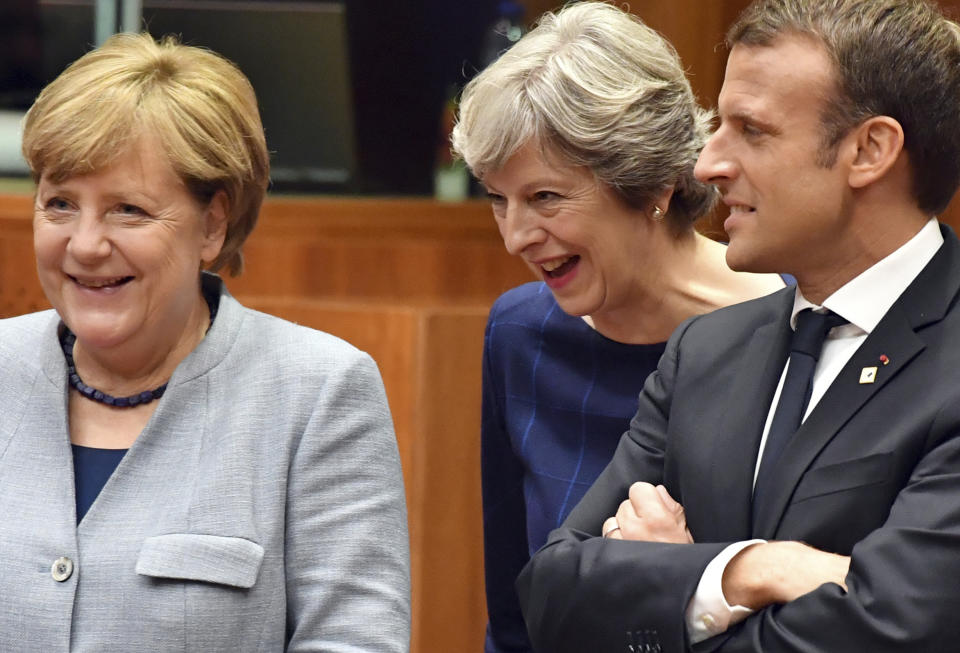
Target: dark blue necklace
[{"x": 68, "y": 340}]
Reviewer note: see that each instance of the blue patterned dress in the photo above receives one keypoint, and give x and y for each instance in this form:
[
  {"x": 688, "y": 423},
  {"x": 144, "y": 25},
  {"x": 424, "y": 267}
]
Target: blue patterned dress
[{"x": 557, "y": 396}]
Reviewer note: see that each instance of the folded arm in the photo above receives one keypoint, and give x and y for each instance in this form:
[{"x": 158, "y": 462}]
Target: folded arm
[
  {"x": 584, "y": 592},
  {"x": 897, "y": 591}
]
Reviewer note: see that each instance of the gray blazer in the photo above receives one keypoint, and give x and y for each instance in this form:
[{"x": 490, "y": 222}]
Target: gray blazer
[{"x": 261, "y": 509}]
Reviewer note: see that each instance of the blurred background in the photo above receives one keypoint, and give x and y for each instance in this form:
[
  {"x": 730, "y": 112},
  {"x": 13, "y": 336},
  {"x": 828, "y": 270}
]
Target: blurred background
[{"x": 352, "y": 92}]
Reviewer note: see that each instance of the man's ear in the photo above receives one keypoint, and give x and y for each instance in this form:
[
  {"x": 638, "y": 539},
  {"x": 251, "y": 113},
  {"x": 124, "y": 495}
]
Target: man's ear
[
  {"x": 879, "y": 143},
  {"x": 215, "y": 220}
]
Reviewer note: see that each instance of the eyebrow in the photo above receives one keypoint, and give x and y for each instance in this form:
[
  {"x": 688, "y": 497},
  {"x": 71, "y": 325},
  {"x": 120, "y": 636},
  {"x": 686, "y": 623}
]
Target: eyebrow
[
  {"x": 742, "y": 116},
  {"x": 538, "y": 183},
  {"x": 122, "y": 197}
]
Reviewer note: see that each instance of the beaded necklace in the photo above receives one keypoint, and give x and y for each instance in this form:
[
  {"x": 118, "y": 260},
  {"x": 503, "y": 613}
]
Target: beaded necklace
[{"x": 68, "y": 340}]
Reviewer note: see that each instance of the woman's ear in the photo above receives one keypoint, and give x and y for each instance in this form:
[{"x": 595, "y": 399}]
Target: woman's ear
[
  {"x": 215, "y": 221},
  {"x": 660, "y": 205},
  {"x": 879, "y": 142}
]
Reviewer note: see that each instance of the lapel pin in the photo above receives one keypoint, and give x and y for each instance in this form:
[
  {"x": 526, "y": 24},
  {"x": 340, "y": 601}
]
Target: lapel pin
[
  {"x": 868, "y": 375},
  {"x": 884, "y": 359}
]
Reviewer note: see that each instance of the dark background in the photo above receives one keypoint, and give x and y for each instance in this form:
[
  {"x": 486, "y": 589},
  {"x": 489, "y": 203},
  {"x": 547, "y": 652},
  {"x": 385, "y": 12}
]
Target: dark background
[{"x": 404, "y": 60}]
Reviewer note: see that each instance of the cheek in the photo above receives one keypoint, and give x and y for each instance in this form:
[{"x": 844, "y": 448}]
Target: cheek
[
  {"x": 502, "y": 228},
  {"x": 170, "y": 244},
  {"x": 48, "y": 245}
]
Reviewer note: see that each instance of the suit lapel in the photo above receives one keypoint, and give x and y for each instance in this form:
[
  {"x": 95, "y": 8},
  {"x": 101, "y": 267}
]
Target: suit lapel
[
  {"x": 925, "y": 301},
  {"x": 893, "y": 337},
  {"x": 738, "y": 438}
]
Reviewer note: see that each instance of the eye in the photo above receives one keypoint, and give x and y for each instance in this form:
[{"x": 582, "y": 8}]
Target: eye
[
  {"x": 751, "y": 131},
  {"x": 57, "y": 204},
  {"x": 498, "y": 202},
  {"x": 129, "y": 213},
  {"x": 130, "y": 209},
  {"x": 544, "y": 196}
]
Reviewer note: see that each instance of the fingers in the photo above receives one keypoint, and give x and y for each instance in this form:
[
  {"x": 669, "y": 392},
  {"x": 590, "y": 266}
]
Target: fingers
[
  {"x": 843, "y": 568},
  {"x": 648, "y": 501},
  {"x": 611, "y": 529},
  {"x": 626, "y": 512},
  {"x": 651, "y": 514},
  {"x": 668, "y": 500}
]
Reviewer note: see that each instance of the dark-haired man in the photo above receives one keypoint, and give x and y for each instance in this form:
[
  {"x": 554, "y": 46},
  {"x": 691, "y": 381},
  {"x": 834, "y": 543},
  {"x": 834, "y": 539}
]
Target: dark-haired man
[{"x": 797, "y": 493}]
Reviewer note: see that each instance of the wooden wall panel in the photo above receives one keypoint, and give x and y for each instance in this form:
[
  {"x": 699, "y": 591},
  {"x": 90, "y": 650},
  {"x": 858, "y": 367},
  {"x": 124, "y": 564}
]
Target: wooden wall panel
[
  {"x": 20, "y": 291},
  {"x": 410, "y": 250},
  {"x": 446, "y": 519}
]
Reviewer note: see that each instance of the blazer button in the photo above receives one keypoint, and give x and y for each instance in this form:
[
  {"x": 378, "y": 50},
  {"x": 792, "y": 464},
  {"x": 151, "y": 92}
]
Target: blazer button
[{"x": 62, "y": 569}]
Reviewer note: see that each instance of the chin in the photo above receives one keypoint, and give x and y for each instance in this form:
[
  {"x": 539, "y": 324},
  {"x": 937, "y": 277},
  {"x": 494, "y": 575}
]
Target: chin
[
  {"x": 740, "y": 258},
  {"x": 576, "y": 306},
  {"x": 91, "y": 340},
  {"x": 97, "y": 334}
]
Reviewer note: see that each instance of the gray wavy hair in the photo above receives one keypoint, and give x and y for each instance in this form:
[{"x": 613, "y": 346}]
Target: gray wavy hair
[{"x": 597, "y": 86}]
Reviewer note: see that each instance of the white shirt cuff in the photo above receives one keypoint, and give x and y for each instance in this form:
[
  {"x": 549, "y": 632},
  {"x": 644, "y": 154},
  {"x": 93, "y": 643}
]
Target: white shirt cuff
[{"x": 708, "y": 612}]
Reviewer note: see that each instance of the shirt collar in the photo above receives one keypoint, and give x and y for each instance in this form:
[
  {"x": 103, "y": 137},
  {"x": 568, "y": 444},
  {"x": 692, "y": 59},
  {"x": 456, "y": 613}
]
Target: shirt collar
[{"x": 866, "y": 298}]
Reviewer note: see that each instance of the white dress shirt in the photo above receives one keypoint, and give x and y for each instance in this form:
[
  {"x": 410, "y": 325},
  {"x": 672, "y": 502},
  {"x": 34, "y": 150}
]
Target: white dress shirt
[{"x": 863, "y": 301}]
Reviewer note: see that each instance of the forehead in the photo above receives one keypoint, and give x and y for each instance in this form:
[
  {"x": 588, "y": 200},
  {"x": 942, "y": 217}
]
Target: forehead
[
  {"x": 790, "y": 77},
  {"x": 141, "y": 162},
  {"x": 533, "y": 163}
]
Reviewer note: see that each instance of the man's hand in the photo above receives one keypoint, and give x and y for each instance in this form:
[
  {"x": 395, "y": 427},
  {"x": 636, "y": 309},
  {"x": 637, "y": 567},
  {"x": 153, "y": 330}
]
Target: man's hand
[
  {"x": 779, "y": 572},
  {"x": 649, "y": 515}
]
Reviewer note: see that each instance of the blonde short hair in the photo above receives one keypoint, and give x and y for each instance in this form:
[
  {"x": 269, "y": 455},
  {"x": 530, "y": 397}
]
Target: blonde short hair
[
  {"x": 199, "y": 105},
  {"x": 596, "y": 85}
]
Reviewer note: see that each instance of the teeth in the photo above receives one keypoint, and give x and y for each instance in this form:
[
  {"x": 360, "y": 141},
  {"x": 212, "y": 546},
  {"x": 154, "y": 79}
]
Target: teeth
[
  {"x": 739, "y": 208},
  {"x": 99, "y": 284},
  {"x": 550, "y": 266}
]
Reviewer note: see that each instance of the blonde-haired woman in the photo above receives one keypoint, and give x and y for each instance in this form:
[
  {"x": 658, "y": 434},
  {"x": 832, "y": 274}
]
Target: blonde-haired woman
[
  {"x": 178, "y": 472},
  {"x": 585, "y": 134}
]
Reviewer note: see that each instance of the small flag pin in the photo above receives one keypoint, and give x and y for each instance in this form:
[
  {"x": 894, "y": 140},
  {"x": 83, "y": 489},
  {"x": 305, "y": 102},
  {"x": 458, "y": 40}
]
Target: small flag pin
[{"x": 884, "y": 359}]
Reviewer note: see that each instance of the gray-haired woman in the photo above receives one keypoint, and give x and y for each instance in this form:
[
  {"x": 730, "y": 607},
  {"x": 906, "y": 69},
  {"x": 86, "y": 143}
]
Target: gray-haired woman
[{"x": 585, "y": 134}]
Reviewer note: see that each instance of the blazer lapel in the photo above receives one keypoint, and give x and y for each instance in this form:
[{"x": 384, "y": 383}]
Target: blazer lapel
[
  {"x": 893, "y": 337},
  {"x": 925, "y": 301},
  {"x": 735, "y": 445}
]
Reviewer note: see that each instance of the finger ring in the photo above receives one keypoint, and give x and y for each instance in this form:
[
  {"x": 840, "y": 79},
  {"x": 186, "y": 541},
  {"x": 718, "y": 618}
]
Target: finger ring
[{"x": 609, "y": 532}]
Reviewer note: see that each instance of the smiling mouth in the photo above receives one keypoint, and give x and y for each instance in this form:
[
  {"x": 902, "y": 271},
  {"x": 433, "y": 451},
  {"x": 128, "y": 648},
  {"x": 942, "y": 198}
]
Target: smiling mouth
[
  {"x": 97, "y": 284},
  {"x": 559, "y": 267}
]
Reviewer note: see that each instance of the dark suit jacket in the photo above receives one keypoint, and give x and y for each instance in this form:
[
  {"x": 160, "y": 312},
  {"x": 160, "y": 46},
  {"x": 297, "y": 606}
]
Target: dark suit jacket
[{"x": 874, "y": 472}]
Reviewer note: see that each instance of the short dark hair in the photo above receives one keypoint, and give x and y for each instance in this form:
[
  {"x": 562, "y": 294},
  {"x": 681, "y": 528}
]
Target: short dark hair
[{"x": 896, "y": 58}]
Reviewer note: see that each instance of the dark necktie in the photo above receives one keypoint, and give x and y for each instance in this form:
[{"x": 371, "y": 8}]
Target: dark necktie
[{"x": 805, "y": 349}]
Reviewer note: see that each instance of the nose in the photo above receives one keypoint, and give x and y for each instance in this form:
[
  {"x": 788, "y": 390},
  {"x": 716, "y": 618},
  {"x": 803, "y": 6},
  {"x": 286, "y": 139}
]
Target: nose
[
  {"x": 520, "y": 228},
  {"x": 715, "y": 165},
  {"x": 89, "y": 241}
]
